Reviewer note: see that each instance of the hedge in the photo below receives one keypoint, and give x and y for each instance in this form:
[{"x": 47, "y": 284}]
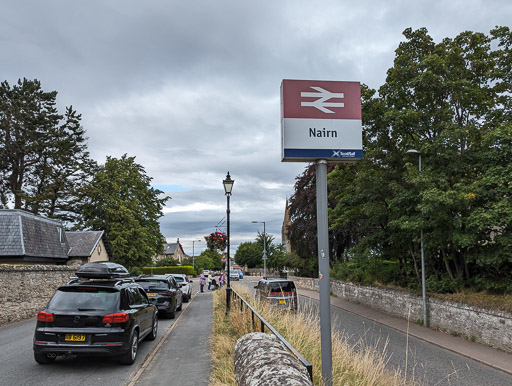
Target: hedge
[{"x": 186, "y": 269}]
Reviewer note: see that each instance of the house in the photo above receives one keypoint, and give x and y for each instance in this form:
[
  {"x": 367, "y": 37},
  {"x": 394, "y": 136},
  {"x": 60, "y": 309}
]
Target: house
[
  {"x": 88, "y": 246},
  {"x": 174, "y": 250},
  {"x": 26, "y": 238}
]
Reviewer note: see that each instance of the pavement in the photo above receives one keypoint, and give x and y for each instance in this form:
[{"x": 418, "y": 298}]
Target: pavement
[{"x": 183, "y": 355}]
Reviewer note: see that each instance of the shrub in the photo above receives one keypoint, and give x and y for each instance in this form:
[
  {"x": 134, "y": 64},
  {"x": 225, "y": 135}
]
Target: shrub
[{"x": 187, "y": 270}]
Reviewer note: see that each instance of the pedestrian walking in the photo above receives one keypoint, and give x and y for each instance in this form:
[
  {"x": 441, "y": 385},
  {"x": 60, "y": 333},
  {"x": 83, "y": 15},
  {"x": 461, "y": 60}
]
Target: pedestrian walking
[
  {"x": 202, "y": 281},
  {"x": 209, "y": 281}
]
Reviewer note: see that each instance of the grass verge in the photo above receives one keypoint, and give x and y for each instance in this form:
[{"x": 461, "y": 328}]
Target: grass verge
[{"x": 350, "y": 365}]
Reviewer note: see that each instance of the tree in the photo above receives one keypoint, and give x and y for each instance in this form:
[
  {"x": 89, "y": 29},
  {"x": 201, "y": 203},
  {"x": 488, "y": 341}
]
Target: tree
[
  {"x": 303, "y": 230},
  {"x": 43, "y": 155},
  {"x": 250, "y": 254},
  {"x": 208, "y": 259},
  {"x": 121, "y": 201},
  {"x": 451, "y": 101}
]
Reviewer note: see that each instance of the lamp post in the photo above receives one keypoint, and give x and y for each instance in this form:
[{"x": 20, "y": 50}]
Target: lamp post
[
  {"x": 193, "y": 254},
  {"x": 264, "y": 248},
  {"x": 228, "y": 186},
  {"x": 423, "y": 286}
]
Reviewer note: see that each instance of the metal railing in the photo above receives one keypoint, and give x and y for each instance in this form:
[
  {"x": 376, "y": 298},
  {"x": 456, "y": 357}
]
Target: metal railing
[{"x": 264, "y": 323}]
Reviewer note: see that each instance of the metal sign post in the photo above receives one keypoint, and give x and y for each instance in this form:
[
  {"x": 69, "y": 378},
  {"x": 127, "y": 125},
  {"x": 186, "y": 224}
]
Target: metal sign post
[
  {"x": 320, "y": 122},
  {"x": 324, "y": 280}
]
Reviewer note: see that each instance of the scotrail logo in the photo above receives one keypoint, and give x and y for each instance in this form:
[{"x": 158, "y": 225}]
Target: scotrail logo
[
  {"x": 323, "y": 96},
  {"x": 343, "y": 154}
]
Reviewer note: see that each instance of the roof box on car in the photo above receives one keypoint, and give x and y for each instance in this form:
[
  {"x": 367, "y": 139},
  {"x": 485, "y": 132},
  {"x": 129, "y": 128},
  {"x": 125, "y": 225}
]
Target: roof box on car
[{"x": 101, "y": 270}]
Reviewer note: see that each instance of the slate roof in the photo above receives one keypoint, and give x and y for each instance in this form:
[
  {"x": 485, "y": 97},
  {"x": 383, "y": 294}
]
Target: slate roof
[
  {"x": 170, "y": 248},
  {"x": 82, "y": 244},
  {"x": 31, "y": 237}
]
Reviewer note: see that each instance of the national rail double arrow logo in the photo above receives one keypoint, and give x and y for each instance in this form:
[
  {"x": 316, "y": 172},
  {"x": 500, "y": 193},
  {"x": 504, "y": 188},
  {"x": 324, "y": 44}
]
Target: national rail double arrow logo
[{"x": 323, "y": 96}]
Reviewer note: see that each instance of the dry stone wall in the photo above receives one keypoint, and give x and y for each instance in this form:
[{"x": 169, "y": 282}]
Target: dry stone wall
[
  {"x": 493, "y": 328},
  {"x": 25, "y": 290}
]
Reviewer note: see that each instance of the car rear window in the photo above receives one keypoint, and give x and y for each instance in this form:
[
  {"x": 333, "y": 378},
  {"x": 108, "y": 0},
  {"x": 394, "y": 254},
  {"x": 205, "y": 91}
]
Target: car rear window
[
  {"x": 154, "y": 284},
  {"x": 84, "y": 299},
  {"x": 179, "y": 279},
  {"x": 282, "y": 286}
]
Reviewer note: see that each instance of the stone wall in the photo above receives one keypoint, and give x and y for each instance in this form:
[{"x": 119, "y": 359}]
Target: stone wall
[
  {"x": 262, "y": 359},
  {"x": 26, "y": 289},
  {"x": 493, "y": 328}
]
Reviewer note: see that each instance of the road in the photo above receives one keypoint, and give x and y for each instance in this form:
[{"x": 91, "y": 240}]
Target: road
[
  {"x": 18, "y": 367},
  {"x": 426, "y": 363}
]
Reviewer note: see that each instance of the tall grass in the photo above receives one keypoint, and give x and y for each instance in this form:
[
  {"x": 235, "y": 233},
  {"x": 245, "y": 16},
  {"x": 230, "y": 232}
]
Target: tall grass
[{"x": 351, "y": 365}]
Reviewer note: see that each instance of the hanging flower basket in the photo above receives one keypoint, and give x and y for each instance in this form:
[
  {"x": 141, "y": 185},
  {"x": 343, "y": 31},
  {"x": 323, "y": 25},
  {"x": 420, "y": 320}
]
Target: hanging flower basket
[{"x": 216, "y": 240}]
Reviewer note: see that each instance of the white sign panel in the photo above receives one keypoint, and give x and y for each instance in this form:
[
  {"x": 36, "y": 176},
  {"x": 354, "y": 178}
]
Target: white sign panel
[{"x": 321, "y": 120}]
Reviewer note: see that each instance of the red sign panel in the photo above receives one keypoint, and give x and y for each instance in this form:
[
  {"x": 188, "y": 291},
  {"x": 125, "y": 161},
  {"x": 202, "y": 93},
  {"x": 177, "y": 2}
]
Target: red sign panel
[{"x": 321, "y": 99}]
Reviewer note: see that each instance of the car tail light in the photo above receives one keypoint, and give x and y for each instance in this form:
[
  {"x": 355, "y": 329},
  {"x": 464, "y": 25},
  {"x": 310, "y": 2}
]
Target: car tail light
[
  {"x": 44, "y": 317},
  {"x": 167, "y": 293},
  {"x": 116, "y": 318}
]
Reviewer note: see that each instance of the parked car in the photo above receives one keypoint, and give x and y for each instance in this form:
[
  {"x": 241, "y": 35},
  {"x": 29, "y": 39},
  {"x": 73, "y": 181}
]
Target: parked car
[
  {"x": 278, "y": 292},
  {"x": 234, "y": 275},
  {"x": 184, "y": 284},
  {"x": 101, "y": 312},
  {"x": 163, "y": 292}
]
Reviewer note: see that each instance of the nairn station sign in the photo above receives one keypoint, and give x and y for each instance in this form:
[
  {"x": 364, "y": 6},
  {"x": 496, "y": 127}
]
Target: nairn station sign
[{"x": 321, "y": 120}]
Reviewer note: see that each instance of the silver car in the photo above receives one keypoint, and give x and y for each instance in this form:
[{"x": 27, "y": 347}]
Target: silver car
[
  {"x": 184, "y": 284},
  {"x": 234, "y": 274}
]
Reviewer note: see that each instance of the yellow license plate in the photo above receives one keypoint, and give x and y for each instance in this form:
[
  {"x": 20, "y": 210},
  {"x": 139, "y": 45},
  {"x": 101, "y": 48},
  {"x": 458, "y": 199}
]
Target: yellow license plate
[
  {"x": 74, "y": 337},
  {"x": 151, "y": 294},
  {"x": 282, "y": 301}
]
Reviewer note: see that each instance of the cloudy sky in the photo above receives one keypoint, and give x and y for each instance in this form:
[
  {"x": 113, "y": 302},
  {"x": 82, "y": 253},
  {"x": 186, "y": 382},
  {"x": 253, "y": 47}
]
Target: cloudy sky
[{"x": 191, "y": 88}]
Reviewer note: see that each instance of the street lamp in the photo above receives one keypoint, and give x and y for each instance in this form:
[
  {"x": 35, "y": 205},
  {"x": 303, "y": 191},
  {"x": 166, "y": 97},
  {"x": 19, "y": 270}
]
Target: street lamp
[
  {"x": 423, "y": 286},
  {"x": 264, "y": 248},
  {"x": 193, "y": 254},
  {"x": 228, "y": 186}
]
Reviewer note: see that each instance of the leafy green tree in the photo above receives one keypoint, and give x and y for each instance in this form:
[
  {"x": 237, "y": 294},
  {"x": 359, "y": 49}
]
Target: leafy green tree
[
  {"x": 44, "y": 160},
  {"x": 250, "y": 254},
  {"x": 208, "y": 259},
  {"x": 121, "y": 201},
  {"x": 450, "y": 102}
]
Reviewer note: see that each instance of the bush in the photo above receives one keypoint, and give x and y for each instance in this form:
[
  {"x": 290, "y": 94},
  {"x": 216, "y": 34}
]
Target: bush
[
  {"x": 368, "y": 271},
  {"x": 187, "y": 270}
]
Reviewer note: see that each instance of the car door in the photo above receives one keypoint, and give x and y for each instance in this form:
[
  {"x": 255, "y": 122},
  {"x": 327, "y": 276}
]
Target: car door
[
  {"x": 177, "y": 289},
  {"x": 147, "y": 310},
  {"x": 139, "y": 309}
]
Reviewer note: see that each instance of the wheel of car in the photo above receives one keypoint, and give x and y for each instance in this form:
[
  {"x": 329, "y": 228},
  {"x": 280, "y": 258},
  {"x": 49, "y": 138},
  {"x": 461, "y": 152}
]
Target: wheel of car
[
  {"x": 43, "y": 359},
  {"x": 129, "y": 357},
  {"x": 154, "y": 330},
  {"x": 185, "y": 298},
  {"x": 172, "y": 313},
  {"x": 181, "y": 306}
]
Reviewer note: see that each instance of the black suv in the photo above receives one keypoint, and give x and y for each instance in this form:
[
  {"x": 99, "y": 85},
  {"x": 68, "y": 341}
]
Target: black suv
[
  {"x": 100, "y": 313},
  {"x": 164, "y": 292}
]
